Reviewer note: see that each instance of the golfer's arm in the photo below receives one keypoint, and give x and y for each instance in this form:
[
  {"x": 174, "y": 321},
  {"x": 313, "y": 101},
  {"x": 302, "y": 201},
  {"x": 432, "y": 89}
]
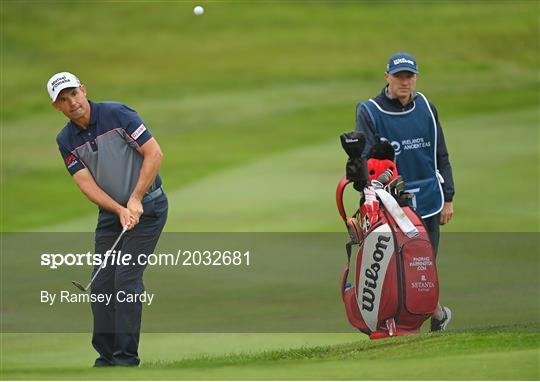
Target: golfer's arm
[
  {"x": 152, "y": 160},
  {"x": 89, "y": 187}
]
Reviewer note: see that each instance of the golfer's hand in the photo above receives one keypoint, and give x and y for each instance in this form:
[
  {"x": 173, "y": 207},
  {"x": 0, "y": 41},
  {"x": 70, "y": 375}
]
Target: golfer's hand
[
  {"x": 127, "y": 218},
  {"x": 447, "y": 212},
  {"x": 136, "y": 208}
]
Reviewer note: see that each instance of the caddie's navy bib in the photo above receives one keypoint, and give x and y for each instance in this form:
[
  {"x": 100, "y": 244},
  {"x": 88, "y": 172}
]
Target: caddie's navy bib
[{"x": 413, "y": 134}]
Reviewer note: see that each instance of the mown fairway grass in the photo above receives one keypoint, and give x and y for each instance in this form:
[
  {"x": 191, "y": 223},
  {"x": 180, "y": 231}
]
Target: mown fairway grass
[
  {"x": 247, "y": 102},
  {"x": 498, "y": 353}
]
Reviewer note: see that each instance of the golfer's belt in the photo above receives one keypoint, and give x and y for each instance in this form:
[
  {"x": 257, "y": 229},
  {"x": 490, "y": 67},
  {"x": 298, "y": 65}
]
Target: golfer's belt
[{"x": 153, "y": 195}]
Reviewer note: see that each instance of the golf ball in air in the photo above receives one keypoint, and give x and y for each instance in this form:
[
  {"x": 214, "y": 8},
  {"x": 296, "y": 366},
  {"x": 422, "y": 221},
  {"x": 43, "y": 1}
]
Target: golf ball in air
[{"x": 198, "y": 10}]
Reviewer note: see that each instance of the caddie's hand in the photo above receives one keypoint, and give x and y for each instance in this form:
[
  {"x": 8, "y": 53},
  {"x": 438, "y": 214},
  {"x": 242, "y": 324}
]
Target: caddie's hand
[
  {"x": 127, "y": 218},
  {"x": 447, "y": 212}
]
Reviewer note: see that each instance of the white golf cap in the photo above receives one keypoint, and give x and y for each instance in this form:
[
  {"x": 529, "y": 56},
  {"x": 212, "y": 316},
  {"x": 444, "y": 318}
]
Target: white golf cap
[{"x": 61, "y": 81}]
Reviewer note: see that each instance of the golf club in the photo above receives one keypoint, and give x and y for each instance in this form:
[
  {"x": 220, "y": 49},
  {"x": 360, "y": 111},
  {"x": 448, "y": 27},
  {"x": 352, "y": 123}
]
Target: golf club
[{"x": 102, "y": 265}]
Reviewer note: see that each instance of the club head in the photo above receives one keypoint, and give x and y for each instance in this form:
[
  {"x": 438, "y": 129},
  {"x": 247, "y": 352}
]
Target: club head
[{"x": 79, "y": 286}]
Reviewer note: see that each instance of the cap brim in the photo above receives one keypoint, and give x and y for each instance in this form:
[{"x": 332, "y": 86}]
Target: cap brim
[
  {"x": 397, "y": 69},
  {"x": 60, "y": 88}
]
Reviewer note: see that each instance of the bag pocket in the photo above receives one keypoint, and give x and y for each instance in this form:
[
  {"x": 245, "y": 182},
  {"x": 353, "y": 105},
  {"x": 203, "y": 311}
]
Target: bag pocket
[{"x": 420, "y": 280}]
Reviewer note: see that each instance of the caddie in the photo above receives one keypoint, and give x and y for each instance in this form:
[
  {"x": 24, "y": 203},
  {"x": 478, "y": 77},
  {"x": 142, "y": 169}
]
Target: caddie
[
  {"x": 114, "y": 160},
  {"x": 410, "y": 122}
]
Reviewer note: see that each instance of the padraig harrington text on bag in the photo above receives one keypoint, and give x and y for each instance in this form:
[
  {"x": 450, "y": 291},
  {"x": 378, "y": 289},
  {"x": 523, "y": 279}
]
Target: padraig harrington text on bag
[{"x": 395, "y": 287}]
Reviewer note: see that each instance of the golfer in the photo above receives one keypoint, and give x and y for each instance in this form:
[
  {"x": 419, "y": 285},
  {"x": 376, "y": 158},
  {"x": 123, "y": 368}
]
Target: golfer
[
  {"x": 411, "y": 124},
  {"x": 113, "y": 158}
]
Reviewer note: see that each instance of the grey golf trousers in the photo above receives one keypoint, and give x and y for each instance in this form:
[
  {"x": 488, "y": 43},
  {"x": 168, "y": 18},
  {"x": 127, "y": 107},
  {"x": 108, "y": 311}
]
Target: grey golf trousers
[{"x": 117, "y": 326}]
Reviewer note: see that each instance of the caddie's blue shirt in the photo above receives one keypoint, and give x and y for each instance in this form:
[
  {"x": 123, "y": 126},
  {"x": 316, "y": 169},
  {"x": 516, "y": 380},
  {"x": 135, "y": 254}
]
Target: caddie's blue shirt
[{"x": 108, "y": 148}]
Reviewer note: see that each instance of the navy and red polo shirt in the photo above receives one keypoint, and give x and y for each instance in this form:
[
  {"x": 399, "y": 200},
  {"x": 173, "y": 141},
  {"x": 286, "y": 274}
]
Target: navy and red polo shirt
[{"x": 108, "y": 148}]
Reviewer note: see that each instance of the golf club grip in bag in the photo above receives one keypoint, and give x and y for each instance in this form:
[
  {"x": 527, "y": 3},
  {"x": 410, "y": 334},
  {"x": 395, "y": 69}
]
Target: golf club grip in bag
[{"x": 395, "y": 286}]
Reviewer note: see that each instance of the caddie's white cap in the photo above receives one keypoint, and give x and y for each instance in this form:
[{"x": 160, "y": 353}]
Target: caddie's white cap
[{"x": 61, "y": 81}]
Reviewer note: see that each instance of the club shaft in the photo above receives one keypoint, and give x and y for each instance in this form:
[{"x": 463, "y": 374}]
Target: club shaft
[{"x": 102, "y": 265}]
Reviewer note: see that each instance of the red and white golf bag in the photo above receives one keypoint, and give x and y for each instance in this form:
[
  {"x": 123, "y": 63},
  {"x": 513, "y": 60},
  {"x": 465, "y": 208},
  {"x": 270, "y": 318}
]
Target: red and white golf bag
[{"x": 395, "y": 287}]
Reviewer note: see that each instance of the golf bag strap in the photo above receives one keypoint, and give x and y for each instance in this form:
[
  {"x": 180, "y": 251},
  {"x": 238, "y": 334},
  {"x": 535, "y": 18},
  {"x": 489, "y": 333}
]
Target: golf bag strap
[{"x": 397, "y": 213}]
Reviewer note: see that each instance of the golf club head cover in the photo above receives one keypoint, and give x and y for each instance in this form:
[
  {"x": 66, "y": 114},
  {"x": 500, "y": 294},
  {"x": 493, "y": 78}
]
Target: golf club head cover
[
  {"x": 353, "y": 143},
  {"x": 383, "y": 170},
  {"x": 382, "y": 150},
  {"x": 356, "y": 170}
]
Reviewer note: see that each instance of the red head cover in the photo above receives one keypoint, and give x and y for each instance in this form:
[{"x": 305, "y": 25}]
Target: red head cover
[{"x": 377, "y": 166}]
